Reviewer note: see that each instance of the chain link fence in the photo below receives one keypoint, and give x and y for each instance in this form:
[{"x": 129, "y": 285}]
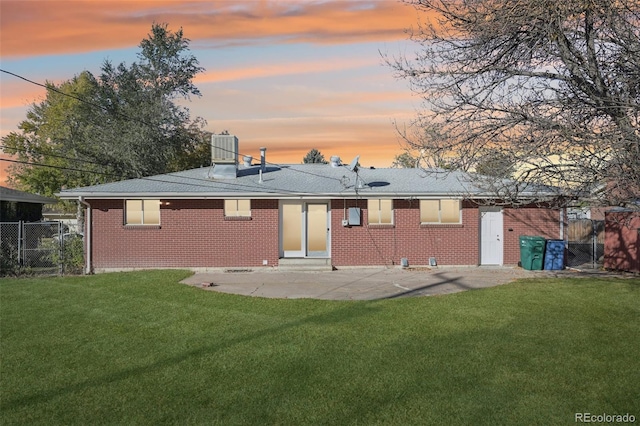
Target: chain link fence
[
  {"x": 42, "y": 248},
  {"x": 585, "y": 243}
]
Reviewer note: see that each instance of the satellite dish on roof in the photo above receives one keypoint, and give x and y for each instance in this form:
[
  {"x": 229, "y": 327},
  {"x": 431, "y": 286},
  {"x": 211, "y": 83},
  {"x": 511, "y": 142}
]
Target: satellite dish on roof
[{"x": 353, "y": 166}]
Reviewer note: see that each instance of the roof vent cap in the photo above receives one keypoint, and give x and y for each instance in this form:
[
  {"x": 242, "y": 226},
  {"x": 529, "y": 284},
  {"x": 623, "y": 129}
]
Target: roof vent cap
[{"x": 335, "y": 161}]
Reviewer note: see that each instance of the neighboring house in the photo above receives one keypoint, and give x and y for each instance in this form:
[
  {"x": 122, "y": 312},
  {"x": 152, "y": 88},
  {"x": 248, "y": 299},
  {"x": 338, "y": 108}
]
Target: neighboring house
[
  {"x": 622, "y": 240},
  {"x": 248, "y": 216},
  {"x": 68, "y": 219},
  {"x": 21, "y": 206}
]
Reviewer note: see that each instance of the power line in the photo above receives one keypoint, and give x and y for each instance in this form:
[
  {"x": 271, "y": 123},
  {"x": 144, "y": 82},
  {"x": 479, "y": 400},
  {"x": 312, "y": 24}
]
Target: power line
[
  {"x": 32, "y": 151},
  {"x": 54, "y": 89},
  {"x": 157, "y": 178},
  {"x": 31, "y": 163},
  {"x": 119, "y": 177}
]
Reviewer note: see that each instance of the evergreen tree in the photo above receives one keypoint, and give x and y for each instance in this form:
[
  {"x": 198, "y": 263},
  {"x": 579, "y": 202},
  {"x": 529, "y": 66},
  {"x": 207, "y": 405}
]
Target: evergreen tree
[{"x": 314, "y": 156}]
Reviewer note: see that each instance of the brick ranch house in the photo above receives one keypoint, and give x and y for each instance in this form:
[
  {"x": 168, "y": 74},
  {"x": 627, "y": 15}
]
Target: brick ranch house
[{"x": 248, "y": 215}]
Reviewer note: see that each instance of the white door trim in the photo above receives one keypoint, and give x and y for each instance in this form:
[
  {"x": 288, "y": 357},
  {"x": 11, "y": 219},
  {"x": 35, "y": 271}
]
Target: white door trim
[{"x": 303, "y": 251}]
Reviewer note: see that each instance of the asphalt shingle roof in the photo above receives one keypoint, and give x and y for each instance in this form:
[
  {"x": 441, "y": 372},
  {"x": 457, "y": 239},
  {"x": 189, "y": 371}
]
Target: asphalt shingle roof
[
  {"x": 8, "y": 194},
  {"x": 290, "y": 181}
]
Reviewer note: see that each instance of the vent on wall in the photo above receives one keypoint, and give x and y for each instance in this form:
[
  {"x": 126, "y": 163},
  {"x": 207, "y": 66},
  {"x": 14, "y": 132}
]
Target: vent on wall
[{"x": 224, "y": 149}]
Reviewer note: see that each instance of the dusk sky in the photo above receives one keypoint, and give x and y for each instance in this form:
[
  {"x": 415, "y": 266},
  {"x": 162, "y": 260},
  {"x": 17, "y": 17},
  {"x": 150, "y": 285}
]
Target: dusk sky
[{"x": 288, "y": 75}]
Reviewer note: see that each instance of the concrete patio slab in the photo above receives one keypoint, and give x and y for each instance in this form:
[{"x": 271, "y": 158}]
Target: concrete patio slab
[{"x": 358, "y": 284}]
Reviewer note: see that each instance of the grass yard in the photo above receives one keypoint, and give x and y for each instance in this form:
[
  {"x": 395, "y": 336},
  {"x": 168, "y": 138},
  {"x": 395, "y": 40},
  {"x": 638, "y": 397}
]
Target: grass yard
[{"x": 139, "y": 348}]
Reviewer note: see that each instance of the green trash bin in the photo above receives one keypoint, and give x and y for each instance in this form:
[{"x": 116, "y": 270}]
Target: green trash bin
[{"x": 532, "y": 252}]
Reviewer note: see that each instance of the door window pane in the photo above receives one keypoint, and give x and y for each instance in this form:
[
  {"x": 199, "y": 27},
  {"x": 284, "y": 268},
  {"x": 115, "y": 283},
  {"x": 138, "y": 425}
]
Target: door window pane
[
  {"x": 317, "y": 227},
  {"x": 292, "y": 227}
]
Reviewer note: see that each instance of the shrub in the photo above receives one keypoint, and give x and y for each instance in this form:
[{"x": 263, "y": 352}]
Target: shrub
[{"x": 70, "y": 254}]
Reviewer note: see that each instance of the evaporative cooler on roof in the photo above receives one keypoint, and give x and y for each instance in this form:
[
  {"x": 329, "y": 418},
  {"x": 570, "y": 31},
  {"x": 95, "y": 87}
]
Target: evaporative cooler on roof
[{"x": 224, "y": 149}]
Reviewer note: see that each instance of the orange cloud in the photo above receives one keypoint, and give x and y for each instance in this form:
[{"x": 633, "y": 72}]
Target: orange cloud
[
  {"x": 21, "y": 99},
  {"x": 53, "y": 27},
  {"x": 289, "y": 139},
  {"x": 272, "y": 70}
]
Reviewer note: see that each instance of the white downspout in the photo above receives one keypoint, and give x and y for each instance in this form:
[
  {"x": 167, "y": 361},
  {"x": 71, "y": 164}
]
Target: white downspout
[{"x": 87, "y": 237}]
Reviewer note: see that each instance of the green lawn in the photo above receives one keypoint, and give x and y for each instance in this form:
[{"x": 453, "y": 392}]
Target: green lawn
[{"x": 139, "y": 348}]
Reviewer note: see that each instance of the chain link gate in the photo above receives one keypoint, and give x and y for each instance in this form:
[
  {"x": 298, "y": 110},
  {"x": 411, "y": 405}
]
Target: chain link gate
[
  {"x": 585, "y": 243},
  {"x": 33, "y": 248}
]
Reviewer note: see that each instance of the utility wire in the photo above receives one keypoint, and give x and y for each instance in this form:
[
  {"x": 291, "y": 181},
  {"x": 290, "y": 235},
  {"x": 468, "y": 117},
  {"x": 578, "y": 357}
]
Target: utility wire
[
  {"x": 84, "y": 101},
  {"x": 261, "y": 188},
  {"x": 30, "y": 163},
  {"x": 32, "y": 151},
  {"x": 119, "y": 177},
  {"x": 53, "y": 89}
]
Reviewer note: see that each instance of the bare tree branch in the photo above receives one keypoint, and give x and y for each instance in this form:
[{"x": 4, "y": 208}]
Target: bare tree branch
[{"x": 553, "y": 87}]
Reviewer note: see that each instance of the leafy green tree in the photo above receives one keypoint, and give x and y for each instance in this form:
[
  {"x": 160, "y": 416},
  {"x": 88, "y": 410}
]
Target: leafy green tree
[
  {"x": 405, "y": 161},
  {"x": 314, "y": 156},
  {"x": 125, "y": 123},
  {"x": 56, "y": 133},
  {"x": 151, "y": 131}
]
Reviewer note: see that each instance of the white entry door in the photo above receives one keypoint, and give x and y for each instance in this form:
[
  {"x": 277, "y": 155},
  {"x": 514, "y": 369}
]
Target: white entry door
[{"x": 491, "y": 236}]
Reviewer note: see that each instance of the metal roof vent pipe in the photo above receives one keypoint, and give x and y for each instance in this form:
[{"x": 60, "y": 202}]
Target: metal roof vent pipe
[
  {"x": 247, "y": 160},
  {"x": 263, "y": 159},
  {"x": 335, "y": 161}
]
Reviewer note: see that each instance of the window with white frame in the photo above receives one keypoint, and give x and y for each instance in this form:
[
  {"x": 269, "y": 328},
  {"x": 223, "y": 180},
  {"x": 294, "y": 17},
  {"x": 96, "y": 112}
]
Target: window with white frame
[
  {"x": 237, "y": 208},
  {"x": 380, "y": 212},
  {"x": 142, "y": 212},
  {"x": 440, "y": 211}
]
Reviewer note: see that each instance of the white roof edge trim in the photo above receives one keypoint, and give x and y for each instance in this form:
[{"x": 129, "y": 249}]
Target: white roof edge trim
[{"x": 275, "y": 196}]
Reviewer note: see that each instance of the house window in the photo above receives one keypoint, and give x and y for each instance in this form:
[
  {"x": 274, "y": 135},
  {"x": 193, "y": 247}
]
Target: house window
[
  {"x": 440, "y": 211},
  {"x": 380, "y": 212},
  {"x": 237, "y": 208},
  {"x": 142, "y": 212}
]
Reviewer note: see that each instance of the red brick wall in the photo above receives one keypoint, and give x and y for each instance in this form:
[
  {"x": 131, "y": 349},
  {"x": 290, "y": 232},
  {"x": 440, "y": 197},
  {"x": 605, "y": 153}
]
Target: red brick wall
[
  {"x": 533, "y": 221},
  {"x": 192, "y": 233},
  {"x": 380, "y": 245},
  {"x": 449, "y": 244},
  {"x": 622, "y": 241}
]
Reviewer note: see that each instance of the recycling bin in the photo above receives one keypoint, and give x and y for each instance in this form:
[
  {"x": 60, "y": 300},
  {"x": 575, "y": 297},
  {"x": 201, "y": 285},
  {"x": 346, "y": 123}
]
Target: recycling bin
[
  {"x": 554, "y": 255},
  {"x": 532, "y": 252}
]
